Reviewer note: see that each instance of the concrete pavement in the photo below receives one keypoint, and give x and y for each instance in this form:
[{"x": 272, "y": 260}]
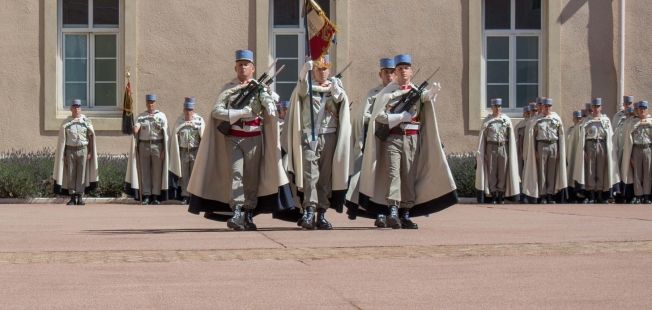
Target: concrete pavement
[{"x": 466, "y": 257}]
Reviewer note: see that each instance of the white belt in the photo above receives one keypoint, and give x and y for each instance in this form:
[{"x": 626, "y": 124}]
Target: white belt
[
  {"x": 321, "y": 130},
  {"x": 246, "y": 128},
  {"x": 407, "y": 126}
]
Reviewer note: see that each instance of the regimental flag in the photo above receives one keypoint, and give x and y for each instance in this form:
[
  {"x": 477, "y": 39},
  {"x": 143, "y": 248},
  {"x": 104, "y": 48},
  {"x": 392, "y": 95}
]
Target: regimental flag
[
  {"x": 127, "y": 112},
  {"x": 321, "y": 32}
]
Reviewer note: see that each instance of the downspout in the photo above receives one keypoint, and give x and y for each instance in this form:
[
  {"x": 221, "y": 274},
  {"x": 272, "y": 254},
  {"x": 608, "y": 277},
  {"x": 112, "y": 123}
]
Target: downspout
[{"x": 621, "y": 54}]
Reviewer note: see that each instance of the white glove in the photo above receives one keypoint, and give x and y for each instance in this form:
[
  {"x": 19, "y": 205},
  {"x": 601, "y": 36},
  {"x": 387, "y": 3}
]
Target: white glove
[
  {"x": 336, "y": 90},
  {"x": 235, "y": 115},
  {"x": 406, "y": 117},
  {"x": 395, "y": 119},
  {"x": 431, "y": 92},
  {"x": 246, "y": 112},
  {"x": 271, "y": 108},
  {"x": 304, "y": 71}
]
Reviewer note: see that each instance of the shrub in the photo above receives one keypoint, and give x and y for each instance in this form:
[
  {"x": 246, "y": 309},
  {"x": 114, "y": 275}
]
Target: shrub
[{"x": 463, "y": 169}]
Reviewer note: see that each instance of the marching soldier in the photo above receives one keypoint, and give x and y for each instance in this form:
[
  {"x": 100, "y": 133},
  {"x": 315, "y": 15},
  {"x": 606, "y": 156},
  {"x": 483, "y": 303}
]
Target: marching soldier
[
  {"x": 151, "y": 139},
  {"x": 546, "y": 157},
  {"x": 595, "y": 171},
  {"x": 184, "y": 143},
  {"x": 399, "y": 169},
  {"x": 319, "y": 156},
  {"x": 75, "y": 159},
  {"x": 570, "y": 154},
  {"x": 232, "y": 160},
  {"x": 360, "y": 124},
  {"x": 497, "y": 170},
  {"x": 628, "y": 100}
]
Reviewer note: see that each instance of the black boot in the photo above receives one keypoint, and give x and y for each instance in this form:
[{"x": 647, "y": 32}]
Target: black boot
[
  {"x": 236, "y": 222},
  {"x": 322, "y": 223},
  {"x": 551, "y": 200},
  {"x": 80, "y": 202},
  {"x": 393, "y": 220},
  {"x": 633, "y": 201},
  {"x": 647, "y": 199},
  {"x": 185, "y": 200},
  {"x": 145, "y": 200},
  {"x": 494, "y": 198},
  {"x": 303, "y": 218},
  {"x": 309, "y": 222},
  {"x": 542, "y": 200},
  {"x": 156, "y": 200},
  {"x": 406, "y": 222},
  {"x": 249, "y": 220},
  {"x": 381, "y": 221},
  {"x": 599, "y": 198},
  {"x": 501, "y": 198},
  {"x": 72, "y": 201},
  {"x": 591, "y": 196}
]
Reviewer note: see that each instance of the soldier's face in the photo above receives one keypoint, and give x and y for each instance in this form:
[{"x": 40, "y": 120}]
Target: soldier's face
[
  {"x": 596, "y": 109},
  {"x": 642, "y": 112},
  {"x": 539, "y": 108},
  {"x": 151, "y": 106},
  {"x": 76, "y": 111},
  {"x": 283, "y": 112},
  {"x": 533, "y": 112},
  {"x": 244, "y": 69},
  {"x": 496, "y": 109},
  {"x": 321, "y": 74},
  {"x": 576, "y": 120},
  {"x": 188, "y": 114},
  {"x": 387, "y": 75},
  {"x": 403, "y": 73},
  {"x": 526, "y": 114},
  {"x": 546, "y": 109}
]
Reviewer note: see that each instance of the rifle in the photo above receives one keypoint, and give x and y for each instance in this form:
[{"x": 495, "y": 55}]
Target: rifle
[
  {"x": 243, "y": 99},
  {"x": 406, "y": 102}
]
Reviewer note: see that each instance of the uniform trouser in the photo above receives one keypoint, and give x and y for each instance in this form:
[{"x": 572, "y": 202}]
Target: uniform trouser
[
  {"x": 318, "y": 170},
  {"x": 151, "y": 166},
  {"x": 244, "y": 155},
  {"x": 497, "y": 166},
  {"x": 401, "y": 155},
  {"x": 187, "y": 157},
  {"x": 76, "y": 157},
  {"x": 594, "y": 168},
  {"x": 642, "y": 170},
  {"x": 547, "y": 167}
]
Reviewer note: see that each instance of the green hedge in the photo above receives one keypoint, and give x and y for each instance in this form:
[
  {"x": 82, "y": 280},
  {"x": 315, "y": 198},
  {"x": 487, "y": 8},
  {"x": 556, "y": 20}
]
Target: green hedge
[{"x": 29, "y": 174}]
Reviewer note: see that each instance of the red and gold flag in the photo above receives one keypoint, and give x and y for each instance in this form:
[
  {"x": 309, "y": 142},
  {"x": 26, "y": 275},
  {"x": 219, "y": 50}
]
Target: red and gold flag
[
  {"x": 127, "y": 112},
  {"x": 320, "y": 30}
]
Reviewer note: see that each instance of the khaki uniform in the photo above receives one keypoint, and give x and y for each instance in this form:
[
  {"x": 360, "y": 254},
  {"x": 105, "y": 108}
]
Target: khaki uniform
[
  {"x": 497, "y": 152},
  {"x": 318, "y": 164},
  {"x": 150, "y": 147},
  {"x": 596, "y": 150},
  {"x": 188, "y": 145},
  {"x": 401, "y": 153},
  {"x": 244, "y": 145},
  {"x": 642, "y": 158},
  {"x": 76, "y": 151},
  {"x": 547, "y": 138}
]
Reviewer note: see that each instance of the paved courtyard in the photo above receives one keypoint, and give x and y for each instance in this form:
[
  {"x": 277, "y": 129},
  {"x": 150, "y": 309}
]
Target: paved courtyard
[{"x": 117, "y": 256}]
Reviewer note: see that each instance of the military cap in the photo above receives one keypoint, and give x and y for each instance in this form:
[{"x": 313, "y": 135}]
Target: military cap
[
  {"x": 189, "y": 103},
  {"x": 628, "y": 98},
  {"x": 387, "y": 63},
  {"x": 596, "y": 101},
  {"x": 75, "y": 102},
  {"x": 497, "y": 101},
  {"x": 577, "y": 113},
  {"x": 547, "y": 101},
  {"x": 244, "y": 55},
  {"x": 150, "y": 97},
  {"x": 402, "y": 59}
]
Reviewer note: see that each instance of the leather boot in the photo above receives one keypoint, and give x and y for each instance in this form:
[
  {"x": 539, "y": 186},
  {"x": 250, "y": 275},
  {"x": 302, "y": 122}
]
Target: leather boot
[
  {"x": 72, "y": 201},
  {"x": 249, "y": 220},
  {"x": 501, "y": 198},
  {"x": 236, "y": 222},
  {"x": 185, "y": 200},
  {"x": 494, "y": 198},
  {"x": 551, "y": 200},
  {"x": 80, "y": 202},
  {"x": 633, "y": 201},
  {"x": 309, "y": 222},
  {"x": 591, "y": 196},
  {"x": 393, "y": 220},
  {"x": 543, "y": 200},
  {"x": 647, "y": 199},
  {"x": 381, "y": 221},
  {"x": 321, "y": 222},
  {"x": 406, "y": 222},
  {"x": 303, "y": 218},
  {"x": 156, "y": 200},
  {"x": 145, "y": 200}
]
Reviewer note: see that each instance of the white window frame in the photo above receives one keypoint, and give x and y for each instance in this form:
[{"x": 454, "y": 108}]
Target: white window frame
[
  {"x": 512, "y": 110},
  {"x": 91, "y": 109}
]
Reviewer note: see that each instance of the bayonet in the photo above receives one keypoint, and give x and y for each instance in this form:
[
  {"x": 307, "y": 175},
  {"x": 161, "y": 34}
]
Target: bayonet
[{"x": 339, "y": 75}]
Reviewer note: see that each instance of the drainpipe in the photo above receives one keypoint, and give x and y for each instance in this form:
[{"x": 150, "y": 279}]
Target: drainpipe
[{"x": 621, "y": 60}]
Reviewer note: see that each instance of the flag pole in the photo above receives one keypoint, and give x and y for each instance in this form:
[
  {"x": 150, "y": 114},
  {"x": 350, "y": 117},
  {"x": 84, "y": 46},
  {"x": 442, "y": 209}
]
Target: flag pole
[{"x": 313, "y": 141}]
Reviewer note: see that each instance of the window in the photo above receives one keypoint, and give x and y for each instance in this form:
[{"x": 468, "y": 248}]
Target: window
[
  {"x": 512, "y": 52},
  {"x": 288, "y": 41},
  {"x": 89, "y": 41}
]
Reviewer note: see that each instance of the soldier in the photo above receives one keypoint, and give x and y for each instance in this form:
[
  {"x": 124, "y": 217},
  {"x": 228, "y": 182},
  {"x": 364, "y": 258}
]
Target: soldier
[
  {"x": 151, "y": 137},
  {"x": 635, "y": 165},
  {"x": 533, "y": 109},
  {"x": 226, "y": 183},
  {"x": 319, "y": 156},
  {"x": 589, "y": 110},
  {"x": 283, "y": 110},
  {"x": 528, "y": 180},
  {"x": 400, "y": 170},
  {"x": 75, "y": 159},
  {"x": 360, "y": 123},
  {"x": 497, "y": 170},
  {"x": 546, "y": 153},
  {"x": 621, "y": 115},
  {"x": 595, "y": 171},
  {"x": 186, "y": 136},
  {"x": 570, "y": 154}
]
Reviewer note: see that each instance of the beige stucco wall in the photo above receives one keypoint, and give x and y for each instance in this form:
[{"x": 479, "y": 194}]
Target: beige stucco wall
[{"x": 186, "y": 48}]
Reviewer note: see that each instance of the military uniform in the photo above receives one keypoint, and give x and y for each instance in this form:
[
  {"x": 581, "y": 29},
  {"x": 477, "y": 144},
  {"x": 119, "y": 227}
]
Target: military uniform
[
  {"x": 151, "y": 150},
  {"x": 547, "y": 135},
  {"x": 577, "y": 115},
  {"x": 641, "y": 158},
  {"x": 621, "y": 115},
  {"x": 184, "y": 143},
  {"x": 496, "y": 153}
]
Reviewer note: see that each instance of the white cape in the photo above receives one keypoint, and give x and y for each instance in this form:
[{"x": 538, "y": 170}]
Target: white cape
[{"x": 60, "y": 174}]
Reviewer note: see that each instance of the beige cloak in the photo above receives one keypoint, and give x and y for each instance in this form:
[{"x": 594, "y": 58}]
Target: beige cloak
[
  {"x": 626, "y": 173},
  {"x": 59, "y": 174},
  {"x": 132, "y": 187},
  {"x": 512, "y": 181},
  {"x": 210, "y": 184},
  {"x": 175, "y": 159},
  {"x": 530, "y": 170},
  {"x": 435, "y": 186}
]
